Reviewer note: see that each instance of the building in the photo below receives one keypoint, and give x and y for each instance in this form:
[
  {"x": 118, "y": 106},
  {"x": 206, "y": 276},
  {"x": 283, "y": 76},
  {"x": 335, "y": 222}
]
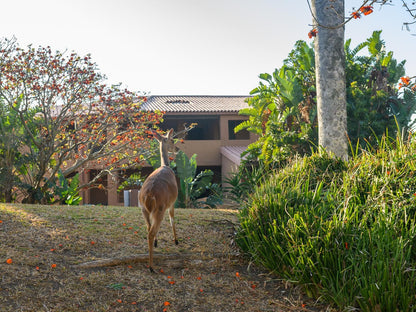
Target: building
[{"x": 213, "y": 139}]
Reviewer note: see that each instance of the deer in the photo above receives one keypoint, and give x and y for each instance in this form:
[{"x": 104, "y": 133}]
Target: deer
[{"x": 158, "y": 194}]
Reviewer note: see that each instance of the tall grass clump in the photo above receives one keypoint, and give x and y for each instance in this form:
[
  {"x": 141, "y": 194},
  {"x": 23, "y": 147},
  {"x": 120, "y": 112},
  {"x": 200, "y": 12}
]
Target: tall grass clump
[{"x": 345, "y": 231}]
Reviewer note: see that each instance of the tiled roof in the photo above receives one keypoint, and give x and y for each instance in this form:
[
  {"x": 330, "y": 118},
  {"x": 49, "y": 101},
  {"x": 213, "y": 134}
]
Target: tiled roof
[
  {"x": 195, "y": 104},
  {"x": 233, "y": 153}
]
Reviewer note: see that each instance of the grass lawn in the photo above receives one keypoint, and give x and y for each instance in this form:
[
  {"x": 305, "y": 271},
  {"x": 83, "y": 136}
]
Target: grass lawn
[{"x": 46, "y": 245}]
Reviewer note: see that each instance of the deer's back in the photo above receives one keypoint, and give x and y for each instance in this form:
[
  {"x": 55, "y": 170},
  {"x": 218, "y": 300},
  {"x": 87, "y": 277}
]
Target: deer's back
[{"x": 160, "y": 185}]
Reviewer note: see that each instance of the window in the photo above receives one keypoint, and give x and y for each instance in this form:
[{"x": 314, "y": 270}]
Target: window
[
  {"x": 240, "y": 135},
  {"x": 207, "y": 128}
]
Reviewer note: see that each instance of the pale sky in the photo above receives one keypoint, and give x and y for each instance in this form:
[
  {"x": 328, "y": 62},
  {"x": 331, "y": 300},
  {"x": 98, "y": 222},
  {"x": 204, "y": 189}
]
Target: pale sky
[{"x": 188, "y": 47}]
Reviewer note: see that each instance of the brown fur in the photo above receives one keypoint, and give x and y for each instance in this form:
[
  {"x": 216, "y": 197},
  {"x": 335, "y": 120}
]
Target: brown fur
[{"x": 158, "y": 194}]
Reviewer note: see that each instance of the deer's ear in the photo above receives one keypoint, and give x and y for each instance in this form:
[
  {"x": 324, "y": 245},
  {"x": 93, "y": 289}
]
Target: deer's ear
[{"x": 169, "y": 134}]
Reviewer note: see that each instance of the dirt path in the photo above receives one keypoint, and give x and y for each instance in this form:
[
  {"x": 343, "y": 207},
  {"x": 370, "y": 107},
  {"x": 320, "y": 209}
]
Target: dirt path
[{"x": 47, "y": 245}]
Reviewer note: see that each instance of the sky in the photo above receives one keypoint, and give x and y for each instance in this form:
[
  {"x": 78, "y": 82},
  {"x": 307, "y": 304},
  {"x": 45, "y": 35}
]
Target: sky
[{"x": 189, "y": 47}]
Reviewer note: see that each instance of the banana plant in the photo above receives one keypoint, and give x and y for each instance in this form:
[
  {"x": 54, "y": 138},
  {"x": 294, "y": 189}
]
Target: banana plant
[
  {"x": 191, "y": 185},
  {"x": 67, "y": 191}
]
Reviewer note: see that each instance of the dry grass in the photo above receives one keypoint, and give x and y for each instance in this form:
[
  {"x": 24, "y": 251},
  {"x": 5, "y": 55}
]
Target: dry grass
[{"x": 37, "y": 238}]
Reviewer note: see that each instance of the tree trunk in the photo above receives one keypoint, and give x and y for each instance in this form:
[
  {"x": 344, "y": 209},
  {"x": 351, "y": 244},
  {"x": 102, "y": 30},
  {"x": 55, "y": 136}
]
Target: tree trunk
[{"x": 330, "y": 76}]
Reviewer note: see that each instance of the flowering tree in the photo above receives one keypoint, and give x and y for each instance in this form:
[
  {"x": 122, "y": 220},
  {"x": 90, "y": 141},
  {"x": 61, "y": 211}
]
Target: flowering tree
[{"x": 70, "y": 119}]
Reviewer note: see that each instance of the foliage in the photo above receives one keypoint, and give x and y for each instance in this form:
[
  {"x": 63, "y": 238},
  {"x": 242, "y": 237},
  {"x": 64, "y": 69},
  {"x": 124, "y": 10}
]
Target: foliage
[
  {"x": 11, "y": 159},
  {"x": 245, "y": 180},
  {"x": 69, "y": 118},
  {"x": 134, "y": 181},
  {"x": 374, "y": 100},
  {"x": 68, "y": 192},
  {"x": 154, "y": 154},
  {"x": 283, "y": 113},
  {"x": 192, "y": 185},
  {"x": 282, "y": 110},
  {"x": 345, "y": 231}
]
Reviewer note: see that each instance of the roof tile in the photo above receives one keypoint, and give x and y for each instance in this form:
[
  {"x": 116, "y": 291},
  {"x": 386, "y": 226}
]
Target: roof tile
[{"x": 195, "y": 104}]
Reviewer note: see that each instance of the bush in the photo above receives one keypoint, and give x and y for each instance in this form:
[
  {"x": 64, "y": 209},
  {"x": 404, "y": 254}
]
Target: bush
[{"x": 345, "y": 231}]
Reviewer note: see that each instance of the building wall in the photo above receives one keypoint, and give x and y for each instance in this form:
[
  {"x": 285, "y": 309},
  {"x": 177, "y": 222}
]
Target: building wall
[
  {"x": 227, "y": 169},
  {"x": 208, "y": 154},
  {"x": 208, "y": 151}
]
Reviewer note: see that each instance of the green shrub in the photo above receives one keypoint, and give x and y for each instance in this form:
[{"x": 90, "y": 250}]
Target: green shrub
[
  {"x": 67, "y": 189},
  {"x": 193, "y": 186},
  {"x": 345, "y": 231}
]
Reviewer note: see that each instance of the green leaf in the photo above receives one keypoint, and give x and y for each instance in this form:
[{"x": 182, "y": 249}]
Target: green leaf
[
  {"x": 386, "y": 60},
  {"x": 265, "y": 76},
  {"x": 184, "y": 166}
]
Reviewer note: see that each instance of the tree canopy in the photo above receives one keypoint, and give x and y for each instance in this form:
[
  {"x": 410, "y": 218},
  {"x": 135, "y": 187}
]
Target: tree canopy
[{"x": 59, "y": 117}]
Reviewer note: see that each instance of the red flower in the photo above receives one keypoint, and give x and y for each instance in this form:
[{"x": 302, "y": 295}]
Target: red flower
[
  {"x": 312, "y": 33},
  {"x": 368, "y": 9},
  {"x": 356, "y": 14},
  {"x": 405, "y": 80}
]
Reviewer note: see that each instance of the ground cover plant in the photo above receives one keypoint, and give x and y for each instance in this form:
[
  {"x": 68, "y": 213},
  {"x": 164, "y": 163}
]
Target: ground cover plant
[
  {"x": 41, "y": 248},
  {"x": 344, "y": 230}
]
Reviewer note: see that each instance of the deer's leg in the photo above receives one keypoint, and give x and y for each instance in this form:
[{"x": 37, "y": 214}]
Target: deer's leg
[
  {"x": 146, "y": 216},
  {"x": 151, "y": 238},
  {"x": 172, "y": 223}
]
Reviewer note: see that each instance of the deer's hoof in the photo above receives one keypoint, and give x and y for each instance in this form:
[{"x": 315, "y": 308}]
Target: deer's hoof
[
  {"x": 176, "y": 242},
  {"x": 151, "y": 270},
  {"x": 155, "y": 243}
]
